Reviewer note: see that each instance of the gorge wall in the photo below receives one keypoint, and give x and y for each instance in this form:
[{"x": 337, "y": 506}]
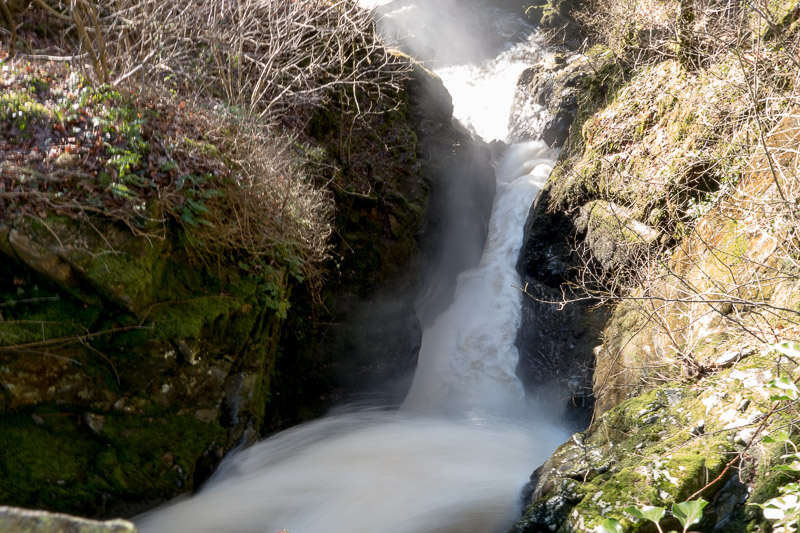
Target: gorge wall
[{"x": 671, "y": 205}]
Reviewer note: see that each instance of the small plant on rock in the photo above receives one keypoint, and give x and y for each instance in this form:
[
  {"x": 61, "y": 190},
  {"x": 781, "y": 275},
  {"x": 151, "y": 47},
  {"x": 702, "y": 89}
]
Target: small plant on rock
[
  {"x": 687, "y": 513},
  {"x": 784, "y": 511}
]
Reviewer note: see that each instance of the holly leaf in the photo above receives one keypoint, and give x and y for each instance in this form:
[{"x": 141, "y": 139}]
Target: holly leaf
[
  {"x": 777, "y": 436},
  {"x": 793, "y": 466},
  {"x": 792, "y": 349}
]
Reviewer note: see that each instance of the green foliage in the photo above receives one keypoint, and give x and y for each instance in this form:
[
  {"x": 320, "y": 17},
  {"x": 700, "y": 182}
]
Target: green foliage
[
  {"x": 194, "y": 211},
  {"x": 687, "y": 513},
  {"x": 784, "y": 511},
  {"x": 647, "y": 512},
  {"x": 21, "y": 110},
  {"x": 610, "y": 525},
  {"x": 781, "y": 389}
]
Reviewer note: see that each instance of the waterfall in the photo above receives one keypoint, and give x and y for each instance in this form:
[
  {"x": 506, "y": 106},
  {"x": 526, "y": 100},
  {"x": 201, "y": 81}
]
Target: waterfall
[
  {"x": 467, "y": 360},
  {"x": 454, "y": 457}
]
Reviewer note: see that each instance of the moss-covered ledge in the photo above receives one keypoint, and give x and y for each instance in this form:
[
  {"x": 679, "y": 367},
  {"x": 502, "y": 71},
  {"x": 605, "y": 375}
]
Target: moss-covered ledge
[
  {"x": 126, "y": 370},
  {"x": 678, "y": 441}
]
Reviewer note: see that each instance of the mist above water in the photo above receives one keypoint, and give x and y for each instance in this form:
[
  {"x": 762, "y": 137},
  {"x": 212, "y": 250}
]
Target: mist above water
[
  {"x": 478, "y": 50},
  {"x": 457, "y": 453}
]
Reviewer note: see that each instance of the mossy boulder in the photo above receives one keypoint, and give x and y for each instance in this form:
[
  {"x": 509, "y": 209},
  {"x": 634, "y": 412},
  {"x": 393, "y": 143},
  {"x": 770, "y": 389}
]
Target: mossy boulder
[
  {"x": 615, "y": 239},
  {"x": 126, "y": 371},
  {"x": 677, "y": 441}
]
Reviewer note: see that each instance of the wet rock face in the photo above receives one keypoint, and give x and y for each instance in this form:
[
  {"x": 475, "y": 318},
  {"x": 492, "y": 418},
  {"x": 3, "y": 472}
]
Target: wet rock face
[
  {"x": 439, "y": 194},
  {"x": 555, "y": 352},
  {"x": 547, "y": 248},
  {"x": 555, "y": 342},
  {"x": 546, "y": 102}
]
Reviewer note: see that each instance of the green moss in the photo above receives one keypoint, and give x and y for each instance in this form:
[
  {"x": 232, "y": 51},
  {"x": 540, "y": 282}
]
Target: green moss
[
  {"x": 733, "y": 246},
  {"x": 154, "y": 456},
  {"x": 187, "y": 319},
  {"x": 34, "y": 309},
  {"x": 49, "y": 465},
  {"x": 60, "y": 465},
  {"x": 204, "y": 148},
  {"x": 127, "y": 278}
]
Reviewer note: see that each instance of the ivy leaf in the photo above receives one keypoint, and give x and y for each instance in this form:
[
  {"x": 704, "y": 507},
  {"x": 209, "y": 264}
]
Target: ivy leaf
[
  {"x": 785, "y": 390},
  {"x": 609, "y": 526},
  {"x": 792, "y": 349},
  {"x": 778, "y": 436},
  {"x": 779, "y": 508},
  {"x": 793, "y": 466},
  {"x": 647, "y": 512},
  {"x": 689, "y": 513}
]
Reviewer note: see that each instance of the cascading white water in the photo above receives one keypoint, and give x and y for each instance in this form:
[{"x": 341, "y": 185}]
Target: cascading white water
[
  {"x": 468, "y": 360},
  {"x": 454, "y": 457},
  {"x": 483, "y": 93}
]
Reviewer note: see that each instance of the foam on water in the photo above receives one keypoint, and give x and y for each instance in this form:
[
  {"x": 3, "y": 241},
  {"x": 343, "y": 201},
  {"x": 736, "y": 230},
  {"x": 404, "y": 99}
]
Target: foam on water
[
  {"x": 483, "y": 94},
  {"x": 366, "y": 473}
]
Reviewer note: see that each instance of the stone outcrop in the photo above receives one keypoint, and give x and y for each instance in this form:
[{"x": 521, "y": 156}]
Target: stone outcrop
[
  {"x": 548, "y": 94},
  {"x": 652, "y": 203},
  {"x": 673, "y": 443},
  {"x": 15, "y": 520},
  {"x": 120, "y": 359}
]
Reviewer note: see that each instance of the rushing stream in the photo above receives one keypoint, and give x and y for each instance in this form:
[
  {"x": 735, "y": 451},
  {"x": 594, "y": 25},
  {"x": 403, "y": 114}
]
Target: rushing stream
[{"x": 455, "y": 455}]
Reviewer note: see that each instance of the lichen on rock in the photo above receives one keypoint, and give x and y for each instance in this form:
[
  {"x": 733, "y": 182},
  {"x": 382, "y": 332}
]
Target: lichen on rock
[{"x": 27, "y": 521}]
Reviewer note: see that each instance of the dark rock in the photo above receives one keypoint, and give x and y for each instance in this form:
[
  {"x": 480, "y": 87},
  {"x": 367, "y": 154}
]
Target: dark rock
[
  {"x": 553, "y": 86},
  {"x": 556, "y": 340},
  {"x": 728, "y": 506},
  {"x": 547, "y": 253}
]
